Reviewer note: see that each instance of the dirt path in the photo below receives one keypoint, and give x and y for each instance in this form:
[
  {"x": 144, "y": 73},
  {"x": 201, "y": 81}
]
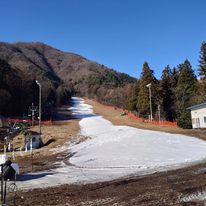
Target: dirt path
[{"x": 164, "y": 188}]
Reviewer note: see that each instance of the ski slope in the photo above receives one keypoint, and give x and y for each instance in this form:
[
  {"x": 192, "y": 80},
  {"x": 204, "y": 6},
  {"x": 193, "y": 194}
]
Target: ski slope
[
  {"x": 113, "y": 152},
  {"x": 127, "y": 147}
]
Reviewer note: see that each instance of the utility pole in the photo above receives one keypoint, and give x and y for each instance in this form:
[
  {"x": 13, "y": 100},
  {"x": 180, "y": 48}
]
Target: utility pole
[
  {"x": 150, "y": 98},
  {"x": 32, "y": 109},
  {"x": 159, "y": 113},
  {"x": 39, "y": 105}
]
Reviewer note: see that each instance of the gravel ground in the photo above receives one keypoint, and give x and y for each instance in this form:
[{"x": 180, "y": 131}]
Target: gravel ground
[{"x": 180, "y": 187}]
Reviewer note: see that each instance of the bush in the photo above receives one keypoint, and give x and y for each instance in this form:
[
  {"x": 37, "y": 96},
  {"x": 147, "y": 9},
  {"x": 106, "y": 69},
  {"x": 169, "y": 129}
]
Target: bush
[{"x": 184, "y": 120}]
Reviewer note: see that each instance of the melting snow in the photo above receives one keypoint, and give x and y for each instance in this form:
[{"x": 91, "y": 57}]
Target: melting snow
[
  {"x": 117, "y": 151},
  {"x": 122, "y": 146},
  {"x": 199, "y": 196}
]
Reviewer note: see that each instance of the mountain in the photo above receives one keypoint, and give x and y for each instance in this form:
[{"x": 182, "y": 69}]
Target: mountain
[{"x": 64, "y": 72}]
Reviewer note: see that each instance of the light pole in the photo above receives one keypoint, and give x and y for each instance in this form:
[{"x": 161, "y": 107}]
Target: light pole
[
  {"x": 159, "y": 113},
  {"x": 39, "y": 105},
  {"x": 150, "y": 98},
  {"x": 32, "y": 109}
]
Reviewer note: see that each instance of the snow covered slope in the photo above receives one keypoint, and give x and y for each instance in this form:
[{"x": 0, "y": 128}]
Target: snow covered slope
[
  {"x": 136, "y": 149},
  {"x": 116, "y": 151}
]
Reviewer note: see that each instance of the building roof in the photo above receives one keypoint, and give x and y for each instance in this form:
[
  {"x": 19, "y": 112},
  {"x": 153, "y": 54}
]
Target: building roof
[{"x": 196, "y": 106}]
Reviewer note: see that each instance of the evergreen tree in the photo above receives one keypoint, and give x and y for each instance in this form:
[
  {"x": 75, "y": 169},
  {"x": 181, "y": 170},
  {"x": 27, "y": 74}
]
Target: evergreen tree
[
  {"x": 185, "y": 93},
  {"x": 202, "y": 62},
  {"x": 201, "y": 95},
  {"x": 202, "y": 74},
  {"x": 174, "y": 80},
  {"x": 143, "y": 103},
  {"x": 167, "y": 94},
  {"x": 174, "y": 77},
  {"x": 133, "y": 97}
]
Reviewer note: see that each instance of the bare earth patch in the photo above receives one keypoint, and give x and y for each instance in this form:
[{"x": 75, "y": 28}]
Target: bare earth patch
[{"x": 53, "y": 136}]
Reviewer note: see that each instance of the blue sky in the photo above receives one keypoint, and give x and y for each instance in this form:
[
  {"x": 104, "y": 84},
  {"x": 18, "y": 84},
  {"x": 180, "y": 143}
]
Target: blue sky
[{"x": 120, "y": 34}]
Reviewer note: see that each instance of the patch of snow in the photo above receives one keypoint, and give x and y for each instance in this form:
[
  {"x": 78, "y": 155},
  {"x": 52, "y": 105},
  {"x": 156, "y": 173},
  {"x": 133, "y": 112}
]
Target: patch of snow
[
  {"x": 113, "y": 152},
  {"x": 79, "y": 109},
  {"x": 64, "y": 148},
  {"x": 127, "y": 147},
  {"x": 98, "y": 202},
  {"x": 199, "y": 196}
]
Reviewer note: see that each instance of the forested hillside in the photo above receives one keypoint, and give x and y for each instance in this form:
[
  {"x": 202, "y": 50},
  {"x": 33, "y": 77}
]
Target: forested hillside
[
  {"x": 63, "y": 74},
  {"x": 60, "y": 73},
  {"x": 178, "y": 89},
  {"x": 18, "y": 92}
]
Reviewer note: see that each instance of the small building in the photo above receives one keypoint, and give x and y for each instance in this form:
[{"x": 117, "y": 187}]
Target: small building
[
  {"x": 33, "y": 141},
  {"x": 198, "y": 115}
]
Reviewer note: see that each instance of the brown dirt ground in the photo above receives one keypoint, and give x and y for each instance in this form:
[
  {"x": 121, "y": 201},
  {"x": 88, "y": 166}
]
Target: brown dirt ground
[
  {"x": 158, "y": 189},
  {"x": 54, "y": 135},
  {"x": 163, "y": 188}
]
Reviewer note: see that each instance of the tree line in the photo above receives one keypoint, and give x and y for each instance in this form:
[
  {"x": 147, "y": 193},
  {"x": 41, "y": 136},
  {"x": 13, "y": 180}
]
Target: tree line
[{"x": 178, "y": 89}]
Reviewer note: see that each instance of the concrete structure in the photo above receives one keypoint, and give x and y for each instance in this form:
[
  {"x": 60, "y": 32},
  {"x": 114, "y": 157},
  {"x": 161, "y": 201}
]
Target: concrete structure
[
  {"x": 33, "y": 141},
  {"x": 198, "y": 115}
]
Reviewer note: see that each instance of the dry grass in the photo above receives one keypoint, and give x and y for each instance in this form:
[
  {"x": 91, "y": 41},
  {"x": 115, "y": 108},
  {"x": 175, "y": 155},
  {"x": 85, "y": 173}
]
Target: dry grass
[{"x": 53, "y": 136}]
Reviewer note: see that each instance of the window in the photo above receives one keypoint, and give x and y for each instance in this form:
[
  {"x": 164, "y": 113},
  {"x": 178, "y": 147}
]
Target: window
[{"x": 204, "y": 119}]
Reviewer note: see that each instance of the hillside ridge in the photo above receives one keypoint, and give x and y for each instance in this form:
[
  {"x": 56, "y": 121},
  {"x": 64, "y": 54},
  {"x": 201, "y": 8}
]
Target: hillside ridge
[{"x": 64, "y": 72}]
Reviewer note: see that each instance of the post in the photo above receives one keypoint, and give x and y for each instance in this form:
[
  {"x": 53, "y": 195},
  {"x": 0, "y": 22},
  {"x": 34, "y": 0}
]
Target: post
[
  {"x": 31, "y": 150},
  {"x": 159, "y": 113},
  {"x": 32, "y": 118},
  {"x": 150, "y": 100},
  {"x": 150, "y": 94},
  {"x": 31, "y": 146},
  {"x": 39, "y": 109},
  {"x": 39, "y": 106},
  {"x": 2, "y": 184},
  {"x": 32, "y": 109}
]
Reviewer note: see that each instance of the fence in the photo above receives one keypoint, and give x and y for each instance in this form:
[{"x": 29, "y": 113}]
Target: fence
[
  {"x": 28, "y": 121},
  {"x": 154, "y": 122},
  {"x": 144, "y": 120}
]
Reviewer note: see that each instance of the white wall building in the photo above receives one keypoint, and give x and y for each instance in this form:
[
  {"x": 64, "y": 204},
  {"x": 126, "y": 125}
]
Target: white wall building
[{"x": 198, "y": 115}]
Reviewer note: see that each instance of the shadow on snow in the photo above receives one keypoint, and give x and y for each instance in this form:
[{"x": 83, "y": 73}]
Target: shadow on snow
[{"x": 25, "y": 177}]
